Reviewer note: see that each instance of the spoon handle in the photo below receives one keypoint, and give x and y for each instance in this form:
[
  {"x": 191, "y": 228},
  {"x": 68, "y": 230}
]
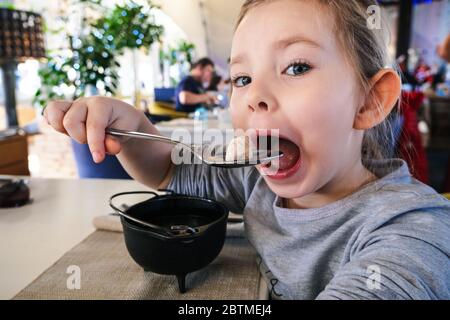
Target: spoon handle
[{"x": 140, "y": 135}]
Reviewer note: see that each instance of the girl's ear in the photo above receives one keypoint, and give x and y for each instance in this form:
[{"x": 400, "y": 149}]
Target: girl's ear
[{"x": 384, "y": 94}]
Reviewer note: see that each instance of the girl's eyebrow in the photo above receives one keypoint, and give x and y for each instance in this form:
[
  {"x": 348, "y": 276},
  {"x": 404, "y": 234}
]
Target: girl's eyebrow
[
  {"x": 284, "y": 43},
  {"x": 281, "y": 44},
  {"x": 237, "y": 59}
]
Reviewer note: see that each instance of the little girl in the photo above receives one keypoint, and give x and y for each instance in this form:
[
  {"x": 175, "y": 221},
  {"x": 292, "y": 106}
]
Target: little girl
[{"x": 337, "y": 220}]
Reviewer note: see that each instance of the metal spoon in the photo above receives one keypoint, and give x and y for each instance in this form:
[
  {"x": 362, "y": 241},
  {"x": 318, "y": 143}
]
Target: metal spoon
[{"x": 216, "y": 159}]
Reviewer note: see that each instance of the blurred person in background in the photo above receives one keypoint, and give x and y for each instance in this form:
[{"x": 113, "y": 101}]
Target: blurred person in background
[{"x": 191, "y": 93}]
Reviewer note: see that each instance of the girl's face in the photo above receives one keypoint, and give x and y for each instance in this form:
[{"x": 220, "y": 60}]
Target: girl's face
[{"x": 289, "y": 73}]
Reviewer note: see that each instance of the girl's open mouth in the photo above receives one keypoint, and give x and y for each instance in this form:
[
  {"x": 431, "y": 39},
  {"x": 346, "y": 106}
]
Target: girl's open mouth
[{"x": 287, "y": 165}]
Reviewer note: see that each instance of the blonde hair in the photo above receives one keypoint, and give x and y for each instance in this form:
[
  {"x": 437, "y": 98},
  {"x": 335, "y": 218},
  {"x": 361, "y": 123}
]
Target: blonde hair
[{"x": 367, "y": 50}]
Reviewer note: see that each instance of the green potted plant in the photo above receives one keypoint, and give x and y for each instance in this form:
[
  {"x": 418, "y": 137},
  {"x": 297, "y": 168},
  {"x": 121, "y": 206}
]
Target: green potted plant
[{"x": 88, "y": 62}]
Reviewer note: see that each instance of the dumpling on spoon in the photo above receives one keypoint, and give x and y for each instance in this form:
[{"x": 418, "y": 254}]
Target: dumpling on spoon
[{"x": 241, "y": 149}]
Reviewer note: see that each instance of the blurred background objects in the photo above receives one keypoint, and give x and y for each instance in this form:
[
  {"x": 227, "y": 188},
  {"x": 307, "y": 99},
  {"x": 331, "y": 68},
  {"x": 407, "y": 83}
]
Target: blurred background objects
[{"x": 139, "y": 51}]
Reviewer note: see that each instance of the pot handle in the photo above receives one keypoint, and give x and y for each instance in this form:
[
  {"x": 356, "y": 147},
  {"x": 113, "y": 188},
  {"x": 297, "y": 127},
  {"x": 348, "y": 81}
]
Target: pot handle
[
  {"x": 175, "y": 231},
  {"x": 125, "y": 194}
]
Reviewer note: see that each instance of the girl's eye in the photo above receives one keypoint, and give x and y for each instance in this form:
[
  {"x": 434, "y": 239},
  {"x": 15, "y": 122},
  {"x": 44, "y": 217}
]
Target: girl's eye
[
  {"x": 297, "y": 69},
  {"x": 241, "y": 81}
]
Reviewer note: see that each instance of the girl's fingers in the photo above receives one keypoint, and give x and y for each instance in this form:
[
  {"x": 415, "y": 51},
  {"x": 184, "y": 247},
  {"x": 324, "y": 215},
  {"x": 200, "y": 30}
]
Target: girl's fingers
[
  {"x": 112, "y": 145},
  {"x": 86, "y": 123},
  {"x": 96, "y": 123},
  {"x": 54, "y": 114},
  {"x": 74, "y": 122}
]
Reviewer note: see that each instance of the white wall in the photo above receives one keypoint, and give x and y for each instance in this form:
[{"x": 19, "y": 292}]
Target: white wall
[
  {"x": 221, "y": 16},
  {"x": 186, "y": 14},
  {"x": 213, "y": 38}
]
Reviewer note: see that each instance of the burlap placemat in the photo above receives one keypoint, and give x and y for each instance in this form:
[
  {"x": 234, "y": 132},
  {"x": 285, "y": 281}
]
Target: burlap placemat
[{"x": 108, "y": 272}]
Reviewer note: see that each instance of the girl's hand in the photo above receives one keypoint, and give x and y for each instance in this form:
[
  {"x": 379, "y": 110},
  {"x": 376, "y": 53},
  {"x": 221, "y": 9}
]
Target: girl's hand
[{"x": 86, "y": 119}]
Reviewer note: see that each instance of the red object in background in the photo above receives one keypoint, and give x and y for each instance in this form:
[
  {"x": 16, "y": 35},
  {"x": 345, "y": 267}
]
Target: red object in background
[
  {"x": 410, "y": 147},
  {"x": 423, "y": 73}
]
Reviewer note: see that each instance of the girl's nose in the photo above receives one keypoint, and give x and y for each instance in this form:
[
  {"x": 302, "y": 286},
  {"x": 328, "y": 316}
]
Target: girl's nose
[
  {"x": 262, "y": 106},
  {"x": 259, "y": 99}
]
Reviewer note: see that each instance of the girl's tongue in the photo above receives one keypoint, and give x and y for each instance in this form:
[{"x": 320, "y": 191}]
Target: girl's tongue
[{"x": 291, "y": 154}]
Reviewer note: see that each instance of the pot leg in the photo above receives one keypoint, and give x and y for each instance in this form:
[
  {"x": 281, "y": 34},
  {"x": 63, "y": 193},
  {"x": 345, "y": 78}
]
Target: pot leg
[{"x": 181, "y": 283}]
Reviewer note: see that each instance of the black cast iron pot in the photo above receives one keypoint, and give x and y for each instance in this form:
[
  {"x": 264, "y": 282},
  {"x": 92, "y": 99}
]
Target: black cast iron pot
[{"x": 181, "y": 234}]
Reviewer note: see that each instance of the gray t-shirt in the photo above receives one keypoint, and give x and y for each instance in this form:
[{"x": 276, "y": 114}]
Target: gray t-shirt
[{"x": 388, "y": 240}]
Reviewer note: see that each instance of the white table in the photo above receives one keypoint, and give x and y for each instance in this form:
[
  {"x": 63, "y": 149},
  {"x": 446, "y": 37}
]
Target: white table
[{"x": 35, "y": 236}]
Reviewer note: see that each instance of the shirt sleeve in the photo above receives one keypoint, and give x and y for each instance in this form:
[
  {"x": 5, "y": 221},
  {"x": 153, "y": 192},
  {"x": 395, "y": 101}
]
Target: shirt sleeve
[
  {"x": 232, "y": 187},
  {"x": 407, "y": 259}
]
